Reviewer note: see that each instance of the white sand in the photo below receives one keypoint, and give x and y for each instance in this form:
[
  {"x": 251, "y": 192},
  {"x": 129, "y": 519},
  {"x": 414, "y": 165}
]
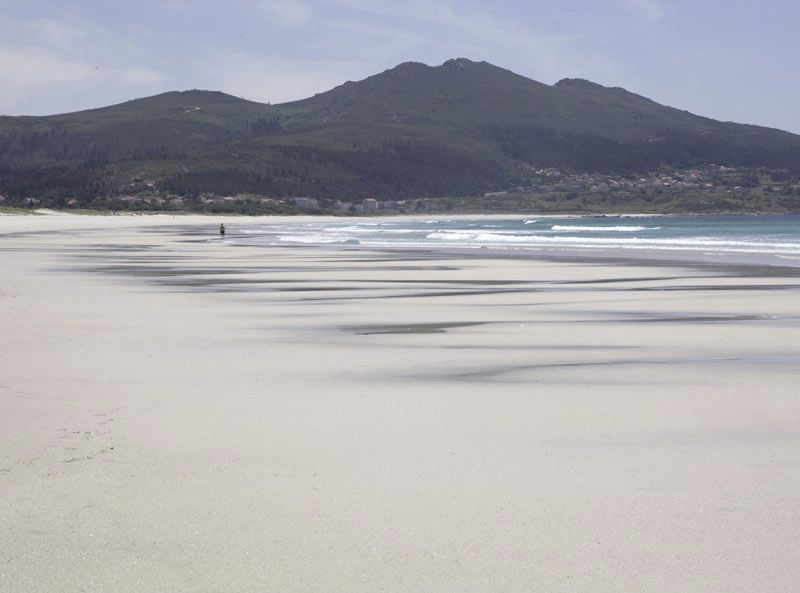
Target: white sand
[{"x": 166, "y": 428}]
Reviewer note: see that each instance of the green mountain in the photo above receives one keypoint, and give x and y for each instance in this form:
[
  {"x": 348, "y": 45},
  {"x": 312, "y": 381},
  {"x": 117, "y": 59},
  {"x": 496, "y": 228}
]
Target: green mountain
[{"x": 460, "y": 128}]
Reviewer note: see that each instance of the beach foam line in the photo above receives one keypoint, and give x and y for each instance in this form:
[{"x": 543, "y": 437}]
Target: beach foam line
[
  {"x": 621, "y": 243},
  {"x": 602, "y": 229},
  {"x": 371, "y": 229},
  {"x": 317, "y": 239}
]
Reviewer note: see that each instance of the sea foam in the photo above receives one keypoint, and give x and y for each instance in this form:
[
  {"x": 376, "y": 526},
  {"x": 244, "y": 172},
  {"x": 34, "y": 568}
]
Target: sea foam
[{"x": 601, "y": 229}]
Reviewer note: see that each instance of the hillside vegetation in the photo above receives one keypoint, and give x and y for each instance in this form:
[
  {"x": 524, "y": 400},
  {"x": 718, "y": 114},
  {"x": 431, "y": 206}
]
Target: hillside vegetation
[{"x": 458, "y": 129}]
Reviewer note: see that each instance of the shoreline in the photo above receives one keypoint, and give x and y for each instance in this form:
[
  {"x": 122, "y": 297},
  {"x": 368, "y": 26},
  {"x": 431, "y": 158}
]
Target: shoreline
[
  {"x": 658, "y": 256},
  {"x": 444, "y": 215}
]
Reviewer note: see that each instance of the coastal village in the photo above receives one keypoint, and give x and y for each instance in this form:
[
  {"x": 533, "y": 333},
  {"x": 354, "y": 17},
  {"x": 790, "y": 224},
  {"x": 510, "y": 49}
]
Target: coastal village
[
  {"x": 142, "y": 194},
  {"x": 710, "y": 178}
]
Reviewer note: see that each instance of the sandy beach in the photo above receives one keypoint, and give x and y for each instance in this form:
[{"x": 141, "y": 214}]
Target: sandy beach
[{"x": 182, "y": 414}]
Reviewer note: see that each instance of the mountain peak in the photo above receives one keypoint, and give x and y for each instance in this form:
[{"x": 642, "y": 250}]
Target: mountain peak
[
  {"x": 460, "y": 63},
  {"x": 453, "y": 64},
  {"x": 406, "y": 68},
  {"x": 189, "y": 98},
  {"x": 410, "y": 66}
]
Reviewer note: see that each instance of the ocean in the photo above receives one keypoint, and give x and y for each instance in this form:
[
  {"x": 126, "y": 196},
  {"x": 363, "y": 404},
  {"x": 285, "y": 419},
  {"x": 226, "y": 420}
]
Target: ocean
[{"x": 735, "y": 238}]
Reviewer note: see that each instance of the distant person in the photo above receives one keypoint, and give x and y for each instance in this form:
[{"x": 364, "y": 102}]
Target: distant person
[{"x": 221, "y": 231}]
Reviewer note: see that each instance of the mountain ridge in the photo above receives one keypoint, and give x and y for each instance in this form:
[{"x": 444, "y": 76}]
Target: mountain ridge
[{"x": 413, "y": 130}]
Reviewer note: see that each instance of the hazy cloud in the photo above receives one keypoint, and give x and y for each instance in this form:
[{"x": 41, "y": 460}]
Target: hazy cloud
[
  {"x": 52, "y": 66},
  {"x": 25, "y": 69},
  {"x": 271, "y": 79},
  {"x": 650, "y": 10},
  {"x": 287, "y": 12},
  {"x": 139, "y": 76}
]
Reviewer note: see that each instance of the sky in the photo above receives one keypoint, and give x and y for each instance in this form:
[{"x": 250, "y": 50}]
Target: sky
[{"x": 731, "y": 60}]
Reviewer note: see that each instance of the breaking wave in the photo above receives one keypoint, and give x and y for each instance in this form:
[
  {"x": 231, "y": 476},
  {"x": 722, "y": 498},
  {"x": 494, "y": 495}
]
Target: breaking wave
[
  {"x": 318, "y": 239},
  {"x": 693, "y": 244},
  {"x": 775, "y": 236}
]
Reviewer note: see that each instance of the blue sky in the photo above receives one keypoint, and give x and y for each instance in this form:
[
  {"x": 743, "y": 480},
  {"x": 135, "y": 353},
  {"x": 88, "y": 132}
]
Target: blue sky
[{"x": 731, "y": 60}]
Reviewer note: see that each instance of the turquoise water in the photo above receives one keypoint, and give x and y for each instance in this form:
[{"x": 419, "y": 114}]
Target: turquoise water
[{"x": 775, "y": 236}]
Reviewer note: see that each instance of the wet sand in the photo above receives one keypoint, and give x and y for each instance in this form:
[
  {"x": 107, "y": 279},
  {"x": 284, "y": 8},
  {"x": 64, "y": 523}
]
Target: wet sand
[{"x": 182, "y": 414}]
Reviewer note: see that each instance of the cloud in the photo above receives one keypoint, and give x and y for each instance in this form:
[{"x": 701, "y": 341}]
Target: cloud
[
  {"x": 27, "y": 69},
  {"x": 56, "y": 34},
  {"x": 651, "y": 10},
  {"x": 49, "y": 65},
  {"x": 272, "y": 79},
  {"x": 34, "y": 76},
  {"x": 38, "y": 82},
  {"x": 139, "y": 76},
  {"x": 287, "y": 12}
]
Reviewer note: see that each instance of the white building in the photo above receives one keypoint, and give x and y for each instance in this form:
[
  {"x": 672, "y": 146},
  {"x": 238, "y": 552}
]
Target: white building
[{"x": 306, "y": 202}]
